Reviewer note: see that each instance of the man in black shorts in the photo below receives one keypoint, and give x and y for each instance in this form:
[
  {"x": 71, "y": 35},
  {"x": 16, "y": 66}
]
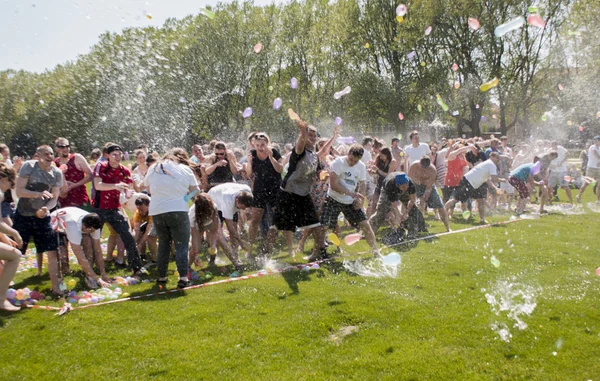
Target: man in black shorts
[
  {"x": 295, "y": 208},
  {"x": 475, "y": 184},
  {"x": 346, "y": 174}
]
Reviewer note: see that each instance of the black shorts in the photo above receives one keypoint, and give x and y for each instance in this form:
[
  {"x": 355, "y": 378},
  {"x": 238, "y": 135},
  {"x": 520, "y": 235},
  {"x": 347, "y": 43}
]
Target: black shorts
[
  {"x": 264, "y": 197},
  {"x": 222, "y": 219},
  {"x": 40, "y": 229},
  {"x": 466, "y": 191},
  {"x": 332, "y": 209},
  {"x": 294, "y": 211}
]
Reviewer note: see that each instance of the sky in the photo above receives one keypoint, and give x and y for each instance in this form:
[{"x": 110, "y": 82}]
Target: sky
[{"x": 37, "y": 35}]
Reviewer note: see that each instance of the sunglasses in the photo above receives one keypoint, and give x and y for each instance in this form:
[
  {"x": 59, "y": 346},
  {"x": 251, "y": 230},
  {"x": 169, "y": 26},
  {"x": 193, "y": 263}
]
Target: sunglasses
[
  {"x": 260, "y": 136},
  {"x": 67, "y": 146},
  {"x": 220, "y": 153}
]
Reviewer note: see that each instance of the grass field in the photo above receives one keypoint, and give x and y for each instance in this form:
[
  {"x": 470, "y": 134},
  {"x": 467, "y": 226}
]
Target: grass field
[{"x": 435, "y": 321}]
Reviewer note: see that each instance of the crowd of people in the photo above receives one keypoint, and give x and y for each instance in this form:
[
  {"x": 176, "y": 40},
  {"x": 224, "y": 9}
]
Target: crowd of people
[{"x": 224, "y": 198}]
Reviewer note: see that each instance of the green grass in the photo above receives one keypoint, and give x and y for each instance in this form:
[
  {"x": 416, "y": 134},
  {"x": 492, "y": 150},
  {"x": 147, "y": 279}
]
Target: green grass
[{"x": 432, "y": 322}]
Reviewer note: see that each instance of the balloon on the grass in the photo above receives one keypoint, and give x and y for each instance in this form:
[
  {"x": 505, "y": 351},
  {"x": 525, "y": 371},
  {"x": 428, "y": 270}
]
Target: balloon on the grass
[
  {"x": 72, "y": 283},
  {"x": 569, "y": 123},
  {"x": 581, "y": 128},
  {"x": 294, "y": 83},
  {"x": 392, "y": 259},
  {"x": 401, "y": 10},
  {"x": 277, "y": 103},
  {"x": 495, "y": 262},
  {"x": 247, "y": 112},
  {"x": 567, "y": 179},
  {"x": 473, "y": 23},
  {"x": 258, "y": 48},
  {"x": 466, "y": 214},
  {"x": 456, "y": 85},
  {"x": 400, "y": 19},
  {"x": 598, "y": 271},
  {"x": 351, "y": 239},
  {"x": 338, "y": 121},
  {"x": 333, "y": 238},
  {"x": 536, "y": 21},
  {"x": 544, "y": 118},
  {"x": 367, "y": 45},
  {"x": 514, "y": 24},
  {"x": 489, "y": 85}
]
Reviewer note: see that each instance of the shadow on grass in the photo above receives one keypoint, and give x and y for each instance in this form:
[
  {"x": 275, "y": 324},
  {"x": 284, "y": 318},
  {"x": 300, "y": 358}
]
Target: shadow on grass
[{"x": 294, "y": 277}]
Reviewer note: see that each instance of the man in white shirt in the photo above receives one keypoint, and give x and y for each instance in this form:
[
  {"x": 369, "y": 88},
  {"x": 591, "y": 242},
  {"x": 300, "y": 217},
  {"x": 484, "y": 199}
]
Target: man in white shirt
[
  {"x": 230, "y": 198},
  {"x": 415, "y": 151},
  {"x": 81, "y": 226},
  {"x": 558, "y": 171},
  {"x": 475, "y": 184},
  {"x": 593, "y": 168},
  {"x": 346, "y": 175}
]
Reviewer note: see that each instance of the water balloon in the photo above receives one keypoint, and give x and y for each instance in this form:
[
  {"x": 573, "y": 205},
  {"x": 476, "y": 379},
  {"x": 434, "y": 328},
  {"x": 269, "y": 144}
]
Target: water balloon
[
  {"x": 400, "y": 116},
  {"x": 489, "y": 85},
  {"x": 367, "y": 45},
  {"x": 569, "y": 123},
  {"x": 536, "y": 168},
  {"x": 455, "y": 113},
  {"x": 392, "y": 259},
  {"x": 428, "y": 31},
  {"x": 149, "y": 16},
  {"x": 533, "y": 9},
  {"x": 277, "y": 103},
  {"x": 598, "y": 271},
  {"x": 294, "y": 83},
  {"x": 466, "y": 214},
  {"x": 351, "y": 239},
  {"x": 440, "y": 102},
  {"x": 400, "y": 19},
  {"x": 315, "y": 266},
  {"x": 400, "y": 137},
  {"x": 401, "y": 10},
  {"x": 207, "y": 13},
  {"x": 473, "y": 23},
  {"x": 598, "y": 114},
  {"x": 495, "y": 262},
  {"x": 561, "y": 87},
  {"x": 544, "y": 118},
  {"x": 293, "y": 115},
  {"x": 338, "y": 121},
  {"x": 514, "y": 24},
  {"x": 340, "y": 94},
  {"x": 536, "y": 21},
  {"x": 72, "y": 283},
  {"x": 323, "y": 175},
  {"x": 493, "y": 116},
  {"x": 411, "y": 55},
  {"x": 346, "y": 140},
  {"x": 456, "y": 85},
  {"x": 581, "y": 128},
  {"x": 247, "y": 112},
  {"x": 333, "y": 238},
  {"x": 419, "y": 108},
  {"x": 258, "y": 47},
  {"x": 455, "y": 67},
  {"x": 567, "y": 179}
]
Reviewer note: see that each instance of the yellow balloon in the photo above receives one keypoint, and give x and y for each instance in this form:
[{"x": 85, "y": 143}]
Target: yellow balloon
[
  {"x": 333, "y": 238},
  {"x": 367, "y": 45},
  {"x": 400, "y": 19},
  {"x": 569, "y": 123},
  {"x": 212, "y": 251}
]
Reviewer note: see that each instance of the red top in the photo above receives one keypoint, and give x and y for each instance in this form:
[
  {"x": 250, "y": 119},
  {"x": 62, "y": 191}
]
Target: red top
[
  {"x": 109, "y": 175},
  {"x": 76, "y": 196},
  {"x": 454, "y": 171}
]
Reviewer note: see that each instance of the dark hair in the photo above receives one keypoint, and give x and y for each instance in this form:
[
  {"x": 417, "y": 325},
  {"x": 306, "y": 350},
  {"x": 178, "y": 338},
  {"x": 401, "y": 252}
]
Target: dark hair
[
  {"x": 96, "y": 153},
  {"x": 385, "y": 152},
  {"x": 356, "y": 150},
  {"x": 366, "y": 140},
  {"x": 142, "y": 199},
  {"x": 395, "y": 140},
  {"x": 245, "y": 198},
  {"x": 205, "y": 209},
  {"x": 220, "y": 145},
  {"x": 377, "y": 143},
  {"x": 177, "y": 155},
  {"x": 151, "y": 158},
  {"x": 9, "y": 173},
  {"x": 415, "y": 132},
  {"x": 92, "y": 220},
  {"x": 425, "y": 161}
]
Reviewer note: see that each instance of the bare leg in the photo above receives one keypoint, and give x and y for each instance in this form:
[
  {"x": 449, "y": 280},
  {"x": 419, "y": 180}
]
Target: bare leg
[
  {"x": 11, "y": 257},
  {"x": 481, "y": 209},
  {"x": 40, "y": 262},
  {"x": 369, "y": 236},
  {"x": 444, "y": 218},
  {"x": 55, "y": 276},
  {"x": 569, "y": 195},
  {"x": 289, "y": 237}
]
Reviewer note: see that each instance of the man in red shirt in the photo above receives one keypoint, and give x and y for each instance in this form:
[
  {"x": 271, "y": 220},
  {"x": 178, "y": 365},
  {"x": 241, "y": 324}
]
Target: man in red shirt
[
  {"x": 77, "y": 173},
  {"x": 110, "y": 179}
]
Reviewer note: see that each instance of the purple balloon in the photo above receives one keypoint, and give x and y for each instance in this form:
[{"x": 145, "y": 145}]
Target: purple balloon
[
  {"x": 345, "y": 140},
  {"x": 247, "y": 112},
  {"x": 277, "y": 103},
  {"x": 338, "y": 121},
  {"x": 294, "y": 83},
  {"x": 483, "y": 118}
]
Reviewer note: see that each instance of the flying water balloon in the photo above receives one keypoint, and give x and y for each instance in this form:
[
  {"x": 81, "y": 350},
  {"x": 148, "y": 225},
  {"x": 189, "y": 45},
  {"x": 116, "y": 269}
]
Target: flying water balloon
[
  {"x": 440, "y": 102},
  {"x": 293, "y": 115},
  {"x": 247, "y": 112},
  {"x": 419, "y": 108},
  {"x": 351, "y": 239},
  {"x": 340, "y": 94},
  {"x": 258, "y": 48},
  {"x": 428, "y": 31},
  {"x": 489, "y": 85},
  {"x": 503, "y": 29},
  {"x": 411, "y": 55},
  {"x": 333, "y": 238},
  {"x": 207, "y": 13},
  {"x": 338, "y": 121},
  {"x": 536, "y": 21},
  {"x": 455, "y": 67},
  {"x": 400, "y": 116},
  {"x": 474, "y": 23},
  {"x": 456, "y": 85},
  {"x": 277, "y": 103},
  {"x": 466, "y": 214},
  {"x": 561, "y": 87},
  {"x": 294, "y": 83},
  {"x": 533, "y": 9},
  {"x": 401, "y": 10},
  {"x": 483, "y": 118}
]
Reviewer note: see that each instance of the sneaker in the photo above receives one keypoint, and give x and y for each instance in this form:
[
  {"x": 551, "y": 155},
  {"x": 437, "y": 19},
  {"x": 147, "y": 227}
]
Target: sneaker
[
  {"x": 120, "y": 265},
  {"x": 91, "y": 282},
  {"x": 183, "y": 284},
  {"x": 150, "y": 264}
]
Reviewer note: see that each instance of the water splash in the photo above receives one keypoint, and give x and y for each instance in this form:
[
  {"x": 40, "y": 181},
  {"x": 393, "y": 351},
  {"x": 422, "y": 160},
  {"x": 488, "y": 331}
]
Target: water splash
[
  {"x": 514, "y": 299},
  {"x": 374, "y": 268}
]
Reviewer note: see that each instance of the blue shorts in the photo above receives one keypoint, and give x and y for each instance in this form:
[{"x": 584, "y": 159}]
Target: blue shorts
[
  {"x": 8, "y": 209},
  {"x": 44, "y": 237}
]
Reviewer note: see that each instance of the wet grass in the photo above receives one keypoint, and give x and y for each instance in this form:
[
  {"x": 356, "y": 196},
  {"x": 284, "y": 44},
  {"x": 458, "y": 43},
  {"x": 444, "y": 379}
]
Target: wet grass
[{"x": 431, "y": 322}]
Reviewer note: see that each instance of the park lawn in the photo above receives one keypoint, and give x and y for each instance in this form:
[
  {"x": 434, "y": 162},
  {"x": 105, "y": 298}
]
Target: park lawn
[{"x": 430, "y": 322}]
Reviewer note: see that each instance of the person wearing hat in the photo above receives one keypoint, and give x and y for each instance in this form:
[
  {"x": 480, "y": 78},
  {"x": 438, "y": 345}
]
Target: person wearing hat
[
  {"x": 398, "y": 189},
  {"x": 593, "y": 168},
  {"x": 110, "y": 180}
]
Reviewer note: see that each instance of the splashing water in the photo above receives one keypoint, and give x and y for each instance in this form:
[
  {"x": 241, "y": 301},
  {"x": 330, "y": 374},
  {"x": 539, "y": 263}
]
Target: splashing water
[
  {"x": 375, "y": 268},
  {"x": 502, "y": 330},
  {"x": 515, "y": 299}
]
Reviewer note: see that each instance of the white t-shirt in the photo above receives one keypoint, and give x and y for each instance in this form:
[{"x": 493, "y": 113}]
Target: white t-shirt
[
  {"x": 416, "y": 153},
  {"x": 562, "y": 154},
  {"x": 224, "y": 197},
  {"x": 168, "y": 186},
  {"x": 593, "y": 162},
  {"x": 72, "y": 217},
  {"x": 348, "y": 176},
  {"x": 481, "y": 173}
]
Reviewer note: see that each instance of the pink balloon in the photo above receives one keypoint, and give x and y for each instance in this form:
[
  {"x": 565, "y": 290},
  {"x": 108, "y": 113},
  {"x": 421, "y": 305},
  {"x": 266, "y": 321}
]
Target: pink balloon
[
  {"x": 536, "y": 20},
  {"x": 247, "y": 112},
  {"x": 400, "y": 116},
  {"x": 294, "y": 83},
  {"x": 536, "y": 168},
  {"x": 455, "y": 67},
  {"x": 351, "y": 239},
  {"x": 474, "y": 23},
  {"x": 598, "y": 271},
  {"x": 338, "y": 121},
  {"x": 568, "y": 179},
  {"x": 428, "y": 31},
  {"x": 277, "y": 103},
  {"x": 258, "y": 47}
]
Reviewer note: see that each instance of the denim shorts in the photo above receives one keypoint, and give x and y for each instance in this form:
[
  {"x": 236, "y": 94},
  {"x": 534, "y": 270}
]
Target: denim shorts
[{"x": 8, "y": 209}]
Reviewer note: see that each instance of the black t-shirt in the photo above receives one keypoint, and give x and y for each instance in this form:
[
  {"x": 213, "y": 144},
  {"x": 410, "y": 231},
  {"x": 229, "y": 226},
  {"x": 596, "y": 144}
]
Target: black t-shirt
[
  {"x": 221, "y": 174},
  {"x": 265, "y": 175},
  {"x": 394, "y": 193},
  {"x": 476, "y": 158},
  {"x": 8, "y": 197}
]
